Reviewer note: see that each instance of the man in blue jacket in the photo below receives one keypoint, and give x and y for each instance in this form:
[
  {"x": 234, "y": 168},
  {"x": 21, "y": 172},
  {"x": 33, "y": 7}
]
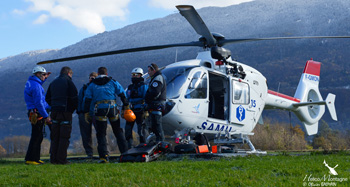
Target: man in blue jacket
[
  {"x": 135, "y": 94},
  {"x": 100, "y": 101},
  {"x": 34, "y": 96},
  {"x": 85, "y": 126}
]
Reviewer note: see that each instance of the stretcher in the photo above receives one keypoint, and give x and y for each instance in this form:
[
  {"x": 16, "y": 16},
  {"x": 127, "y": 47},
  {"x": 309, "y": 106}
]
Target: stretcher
[{"x": 145, "y": 152}]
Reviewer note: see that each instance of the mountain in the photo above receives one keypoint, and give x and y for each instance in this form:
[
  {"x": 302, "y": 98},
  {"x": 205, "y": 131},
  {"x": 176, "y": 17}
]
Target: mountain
[{"x": 281, "y": 61}]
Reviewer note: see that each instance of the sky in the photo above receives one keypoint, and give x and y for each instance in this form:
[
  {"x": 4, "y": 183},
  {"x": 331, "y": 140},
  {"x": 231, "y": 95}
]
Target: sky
[{"x": 28, "y": 25}]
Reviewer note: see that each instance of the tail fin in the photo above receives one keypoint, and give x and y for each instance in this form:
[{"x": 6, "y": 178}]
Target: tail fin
[
  {"x": 330, "y": 104},
  {"x": 311, "y": 107}
]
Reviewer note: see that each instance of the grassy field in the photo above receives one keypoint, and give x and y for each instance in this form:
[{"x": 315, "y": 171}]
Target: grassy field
[{"x": 277, "y": 170}]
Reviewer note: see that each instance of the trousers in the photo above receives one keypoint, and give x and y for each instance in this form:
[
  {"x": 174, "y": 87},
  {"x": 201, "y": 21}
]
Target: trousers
[
  {"x": 34, "y": 147},
  {"x": 141, "y": 129},
  {"x": 156, "y": 125},
  {"x": 85, "y": 131},
  {"x": 60, "y": 134},
  {"x": 101, "y": 131}
]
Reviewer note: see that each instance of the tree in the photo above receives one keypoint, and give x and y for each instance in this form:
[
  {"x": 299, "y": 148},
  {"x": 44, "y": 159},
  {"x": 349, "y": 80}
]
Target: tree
[
  {"x": 18, "y": 145},
  {"x": 279, "y": 136},
  {"x": 2, "y": 151},
  {"x": 329, "y": 139}
]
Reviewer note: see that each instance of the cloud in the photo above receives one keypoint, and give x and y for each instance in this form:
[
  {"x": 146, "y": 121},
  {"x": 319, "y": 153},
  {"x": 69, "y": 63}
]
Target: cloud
[
  {"x": 196, "y": 3},
  {"x": 41, "y": 19},
  {"x": 18, "y": 12},
  {"x": 84, "y": 14},
  {"x": 89, "y": 14}
]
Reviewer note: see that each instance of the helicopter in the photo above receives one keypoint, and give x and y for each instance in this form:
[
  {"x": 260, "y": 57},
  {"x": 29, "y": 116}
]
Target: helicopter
[{"x": 223, "y": 99}]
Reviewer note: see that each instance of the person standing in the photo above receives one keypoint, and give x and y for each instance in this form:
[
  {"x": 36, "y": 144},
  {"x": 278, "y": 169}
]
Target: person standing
[
  {"x": 85, "y": 126},
  {"x": 135, "y": 94},
  {"x": 100, "y": 101},
  {"x": 62, "y": 96},
  {"x": 34, "y": 96},
  {"x": 155, "y": 99}
]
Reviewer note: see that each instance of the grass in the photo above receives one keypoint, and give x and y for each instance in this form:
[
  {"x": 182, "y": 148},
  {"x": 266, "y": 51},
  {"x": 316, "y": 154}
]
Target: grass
[{"x": 280, "y": 170}]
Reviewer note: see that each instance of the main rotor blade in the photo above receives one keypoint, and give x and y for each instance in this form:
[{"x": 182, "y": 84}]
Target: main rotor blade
[
  {"x": 230, "y": 41},
  {"x": 197, "y": 23},
  {"x": 137, "y": 49}
]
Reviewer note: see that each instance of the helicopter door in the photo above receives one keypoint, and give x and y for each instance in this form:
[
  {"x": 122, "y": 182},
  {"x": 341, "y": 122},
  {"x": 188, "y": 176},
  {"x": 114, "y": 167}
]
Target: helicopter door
[
  {"x": 194, "y": 104},
  {"x": 239, "y": 102},
  {"x": 218, "y": 96}
]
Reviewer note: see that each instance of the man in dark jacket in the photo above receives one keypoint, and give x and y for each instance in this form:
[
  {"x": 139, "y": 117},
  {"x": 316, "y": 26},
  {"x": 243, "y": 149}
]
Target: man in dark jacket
[
  {"x": 62, "y": 96},
  {"x": 135, "y": 94},
  {"x": 34, "y": 96},
  {"x": 85, "y": 126},
  {"x": 155, "y": 99},
  {"x": 100, "y": 101}
]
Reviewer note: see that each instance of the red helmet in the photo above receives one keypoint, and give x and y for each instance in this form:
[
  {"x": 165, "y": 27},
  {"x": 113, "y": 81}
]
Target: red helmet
[{"x": 129, "y": 115}]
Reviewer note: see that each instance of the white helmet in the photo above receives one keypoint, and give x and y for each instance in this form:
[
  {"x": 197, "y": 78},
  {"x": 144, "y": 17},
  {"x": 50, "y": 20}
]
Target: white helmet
[
  {"x": 137, "y": 70},
  {"x": 37, "y": 69}
]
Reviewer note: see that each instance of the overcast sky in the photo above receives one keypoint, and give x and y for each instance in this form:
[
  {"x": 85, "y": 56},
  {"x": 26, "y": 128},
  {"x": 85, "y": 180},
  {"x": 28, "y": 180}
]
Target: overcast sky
[{"x": 28, "y": 25}]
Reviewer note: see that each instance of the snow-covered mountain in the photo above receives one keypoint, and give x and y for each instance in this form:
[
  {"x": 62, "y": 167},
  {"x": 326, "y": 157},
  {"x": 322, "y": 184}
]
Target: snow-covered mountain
[{"x": 280, "y": 61}]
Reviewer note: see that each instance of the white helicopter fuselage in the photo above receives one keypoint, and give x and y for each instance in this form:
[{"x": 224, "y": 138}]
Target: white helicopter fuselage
[
  {"x": 211, "y": 101},
  {"x": 206, "y": 96}
]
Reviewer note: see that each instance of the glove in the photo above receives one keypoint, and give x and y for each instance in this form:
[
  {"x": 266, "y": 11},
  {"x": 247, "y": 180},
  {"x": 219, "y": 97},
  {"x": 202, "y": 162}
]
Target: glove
[
  {"x": 48, "y": 121},
  {"x": 145, "y": 114},
  {"x": 87, "y": 117}
]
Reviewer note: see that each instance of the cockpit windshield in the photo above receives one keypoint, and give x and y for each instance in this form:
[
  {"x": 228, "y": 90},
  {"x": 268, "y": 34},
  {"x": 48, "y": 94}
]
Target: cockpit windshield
[{"x": 175, "y": 78}]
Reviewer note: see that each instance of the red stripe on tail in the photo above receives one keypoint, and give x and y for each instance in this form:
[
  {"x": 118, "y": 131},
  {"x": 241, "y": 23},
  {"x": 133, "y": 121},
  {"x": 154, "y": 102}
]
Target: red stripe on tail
[
  {"x": 312, "y": 67},
  {"x": 283, "y": 96}
]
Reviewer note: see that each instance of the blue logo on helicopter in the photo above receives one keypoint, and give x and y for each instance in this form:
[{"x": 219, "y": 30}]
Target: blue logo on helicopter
[
  {"x": 196, "y": 108},
  {"x": 240, "y": 113}
]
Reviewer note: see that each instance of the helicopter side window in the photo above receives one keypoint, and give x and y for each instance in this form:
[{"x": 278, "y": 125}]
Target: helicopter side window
[
  {"x": 240, "y": 93},
  {"x": 198, "y": 87}
]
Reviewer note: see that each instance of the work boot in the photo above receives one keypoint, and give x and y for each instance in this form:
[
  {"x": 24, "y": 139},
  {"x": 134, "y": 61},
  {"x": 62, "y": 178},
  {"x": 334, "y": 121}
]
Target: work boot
[
  {"x": 28, "y": 162},
  {"x": 104, "y": 160}
]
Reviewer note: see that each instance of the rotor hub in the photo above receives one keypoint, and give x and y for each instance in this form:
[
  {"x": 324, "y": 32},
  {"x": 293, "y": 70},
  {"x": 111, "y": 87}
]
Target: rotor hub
[{"x": 218, "y": 37}]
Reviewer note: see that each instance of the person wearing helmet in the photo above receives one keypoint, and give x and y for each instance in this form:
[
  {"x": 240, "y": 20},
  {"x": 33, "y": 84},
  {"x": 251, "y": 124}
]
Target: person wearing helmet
[
  {"x": 85, "y": 126},
  {"x": 155, "y": 99},
  {"x": 34, "y": 96},
  {"x": 100, "y": 101},
  {"x": 135, "y": 94}
]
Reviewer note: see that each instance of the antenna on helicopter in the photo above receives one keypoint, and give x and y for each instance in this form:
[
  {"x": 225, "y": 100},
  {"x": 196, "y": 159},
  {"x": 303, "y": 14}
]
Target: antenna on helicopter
[{"x": 176, "y": 55}]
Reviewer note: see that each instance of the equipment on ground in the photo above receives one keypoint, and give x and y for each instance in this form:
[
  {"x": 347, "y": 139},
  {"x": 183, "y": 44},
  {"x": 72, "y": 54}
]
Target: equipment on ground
[{"x": 145, "y": 152}]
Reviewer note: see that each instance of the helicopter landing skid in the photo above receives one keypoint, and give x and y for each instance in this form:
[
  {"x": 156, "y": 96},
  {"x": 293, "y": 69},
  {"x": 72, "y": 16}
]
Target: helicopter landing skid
[
  {"x": 228, "y": 143},
  {"x": 239, "y": 153}
]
